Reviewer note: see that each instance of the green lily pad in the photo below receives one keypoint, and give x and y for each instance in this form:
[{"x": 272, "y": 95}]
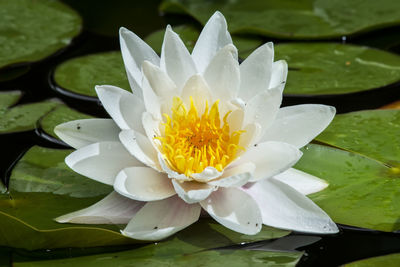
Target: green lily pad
[
  {"x": 391, "y": 260},
  {"x": 305, "y": 19},
  {"x": 80, "y": 75},
  {"x": 331, "y": 68},
  {"x": 23, "y": 117},
  {"x": 60, "y": 115},
  {"x": 33, "y": 30},
  {"x": 189, "y": 35},
  {"x": 372, "y": 133},
  {"x": 158, "y": 256},
  {"x": 42, "y": 188},
  {"x": 362, "y": 192}
]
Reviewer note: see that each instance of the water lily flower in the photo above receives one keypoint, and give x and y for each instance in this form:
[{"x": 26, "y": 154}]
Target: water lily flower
[{"x": 198, "y": 132}]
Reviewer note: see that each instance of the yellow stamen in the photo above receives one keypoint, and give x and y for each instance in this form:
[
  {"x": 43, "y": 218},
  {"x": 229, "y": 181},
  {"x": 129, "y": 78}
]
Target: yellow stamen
[{"x": 191, "y": 143}]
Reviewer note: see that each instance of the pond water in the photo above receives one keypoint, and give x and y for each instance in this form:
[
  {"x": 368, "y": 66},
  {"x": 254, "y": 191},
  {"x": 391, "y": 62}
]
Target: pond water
[{"x": 102, "y": 21}]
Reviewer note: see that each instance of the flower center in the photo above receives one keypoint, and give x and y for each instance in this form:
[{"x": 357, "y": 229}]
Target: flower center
[{"x": 191, "y": 142}]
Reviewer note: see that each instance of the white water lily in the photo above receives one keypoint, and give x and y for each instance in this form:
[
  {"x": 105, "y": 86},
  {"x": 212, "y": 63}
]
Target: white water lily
[{"x": 199, "y": 131}]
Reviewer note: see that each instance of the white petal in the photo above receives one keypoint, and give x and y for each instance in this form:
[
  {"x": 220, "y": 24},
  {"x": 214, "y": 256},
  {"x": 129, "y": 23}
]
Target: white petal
[
  {"x": 235, "y": 120},
  {"x": 197, "y": 88},
  {"x": 209, "y": 173},
  {"x": 175, "y": 59},
  {"x": 235, "y": 176},
  {"x": 80, "y": 133},
  {"x": 212, "y": 38},
  {"x": 270, "y": 158},
  {"x": 255, "y": 72},
  {"x": 192, "y": 192},
  {"x": 251, "y": 134},
  {"x": 151, "y": 127},
  {"x": 279, "y": 74},
  {"x": 134, "y": 52},
  {"x": 151, "y": 101},
  {"x": 101, "y": 161},
  {"x": 298, "y": 125},
  {"x": 143, "y": 184},
  {"x": 262, "y": 108},
  {"x": 140, "y": 147},
  {"x": 301, "y": 181},
  {"x": 124, "y": 108},
  {"x": 113, "y": 209},
  {"x": 235, "y": 210},
  {"x": 160, "y": 219},
  {"x": 159, "y": 81},
  {"x": 223, "y": 74},
  {"x": 171, "y": 173},
  {"x": 283, "y": 207}
]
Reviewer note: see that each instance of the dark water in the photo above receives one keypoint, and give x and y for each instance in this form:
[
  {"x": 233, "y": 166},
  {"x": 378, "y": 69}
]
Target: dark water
[{"x": 100, "y": 35}]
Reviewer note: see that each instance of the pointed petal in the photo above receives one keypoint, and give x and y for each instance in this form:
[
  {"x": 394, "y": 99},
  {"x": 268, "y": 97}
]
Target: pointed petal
[
  {"x": 140, "y": 147},
  {"x": 134, "y": 52},
  {"x": 250, "y": 136},
  {"x": 262, "y": 108},
  {"x": 175, "y": 59},
  {"x": 80, "y": 133},
  {"x": 151, "y": 101},
  {"x": 143, "y": 184},
  {"x": 283, "y": 207},
  {"x": 235, "y": 210},
  {"x": 159, "y": 81},
  {"x": 113, "y": 209},
  {"x": 192, "y": 192},
  {"x": 255, "y": 72},
  {"x": 298, "y": 125},
  {"x": 235, "y": 176},
  {"x": 151, "y": 128},
  {"x": 101, "y": 161},
  {"x": 223, "y": 74},
  {"x": 301, "y": 181},
  {"x": 197, "y": 88},
  {"x": 160, "y": 219},
  {"x": 270, "y": 158},
  {"x": 124, "y": 108},
  {"x": 279, "y": 74},
  {"x": 213, "y": 37}
]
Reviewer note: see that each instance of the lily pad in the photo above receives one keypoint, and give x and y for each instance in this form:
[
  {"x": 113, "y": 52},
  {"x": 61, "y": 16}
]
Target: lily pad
[
  {"x": 391, "y": 260},
  {"x": 332, "y": 68},
  {"x": 23, "y": 117},
  {"x": 33, "y": 30},
  {"x": 362, "y": 191},
  {"x": 80, "y": 75},
  {"x": 159, "y": 256},
  {"x": 189, "y": 35},
  {"x": 60, "y": 115},
  {"x": 372, "y": 133},
  {"x": 305, "y": 19},
  {"x": 42, "y": 188}
]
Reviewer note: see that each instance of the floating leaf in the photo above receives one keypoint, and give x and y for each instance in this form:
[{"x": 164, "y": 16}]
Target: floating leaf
[
  {"x": 331, "y": 68},
  {"x": 372, "y": 133},
  {"x": 306, "y": 19},
  {"x": 60, "y": 115},
  {"x": 162, "y": 255},
  {"x": 189, "y": 35},
  {"x": 23, "y": 117},
  {"x": 362, "y": 192},
  {"x": 32, "y": 30},
  {"x": 391, "y": 260},
  {"x": 80, "y": 75},
  {"x": 42, "y": 188}
]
